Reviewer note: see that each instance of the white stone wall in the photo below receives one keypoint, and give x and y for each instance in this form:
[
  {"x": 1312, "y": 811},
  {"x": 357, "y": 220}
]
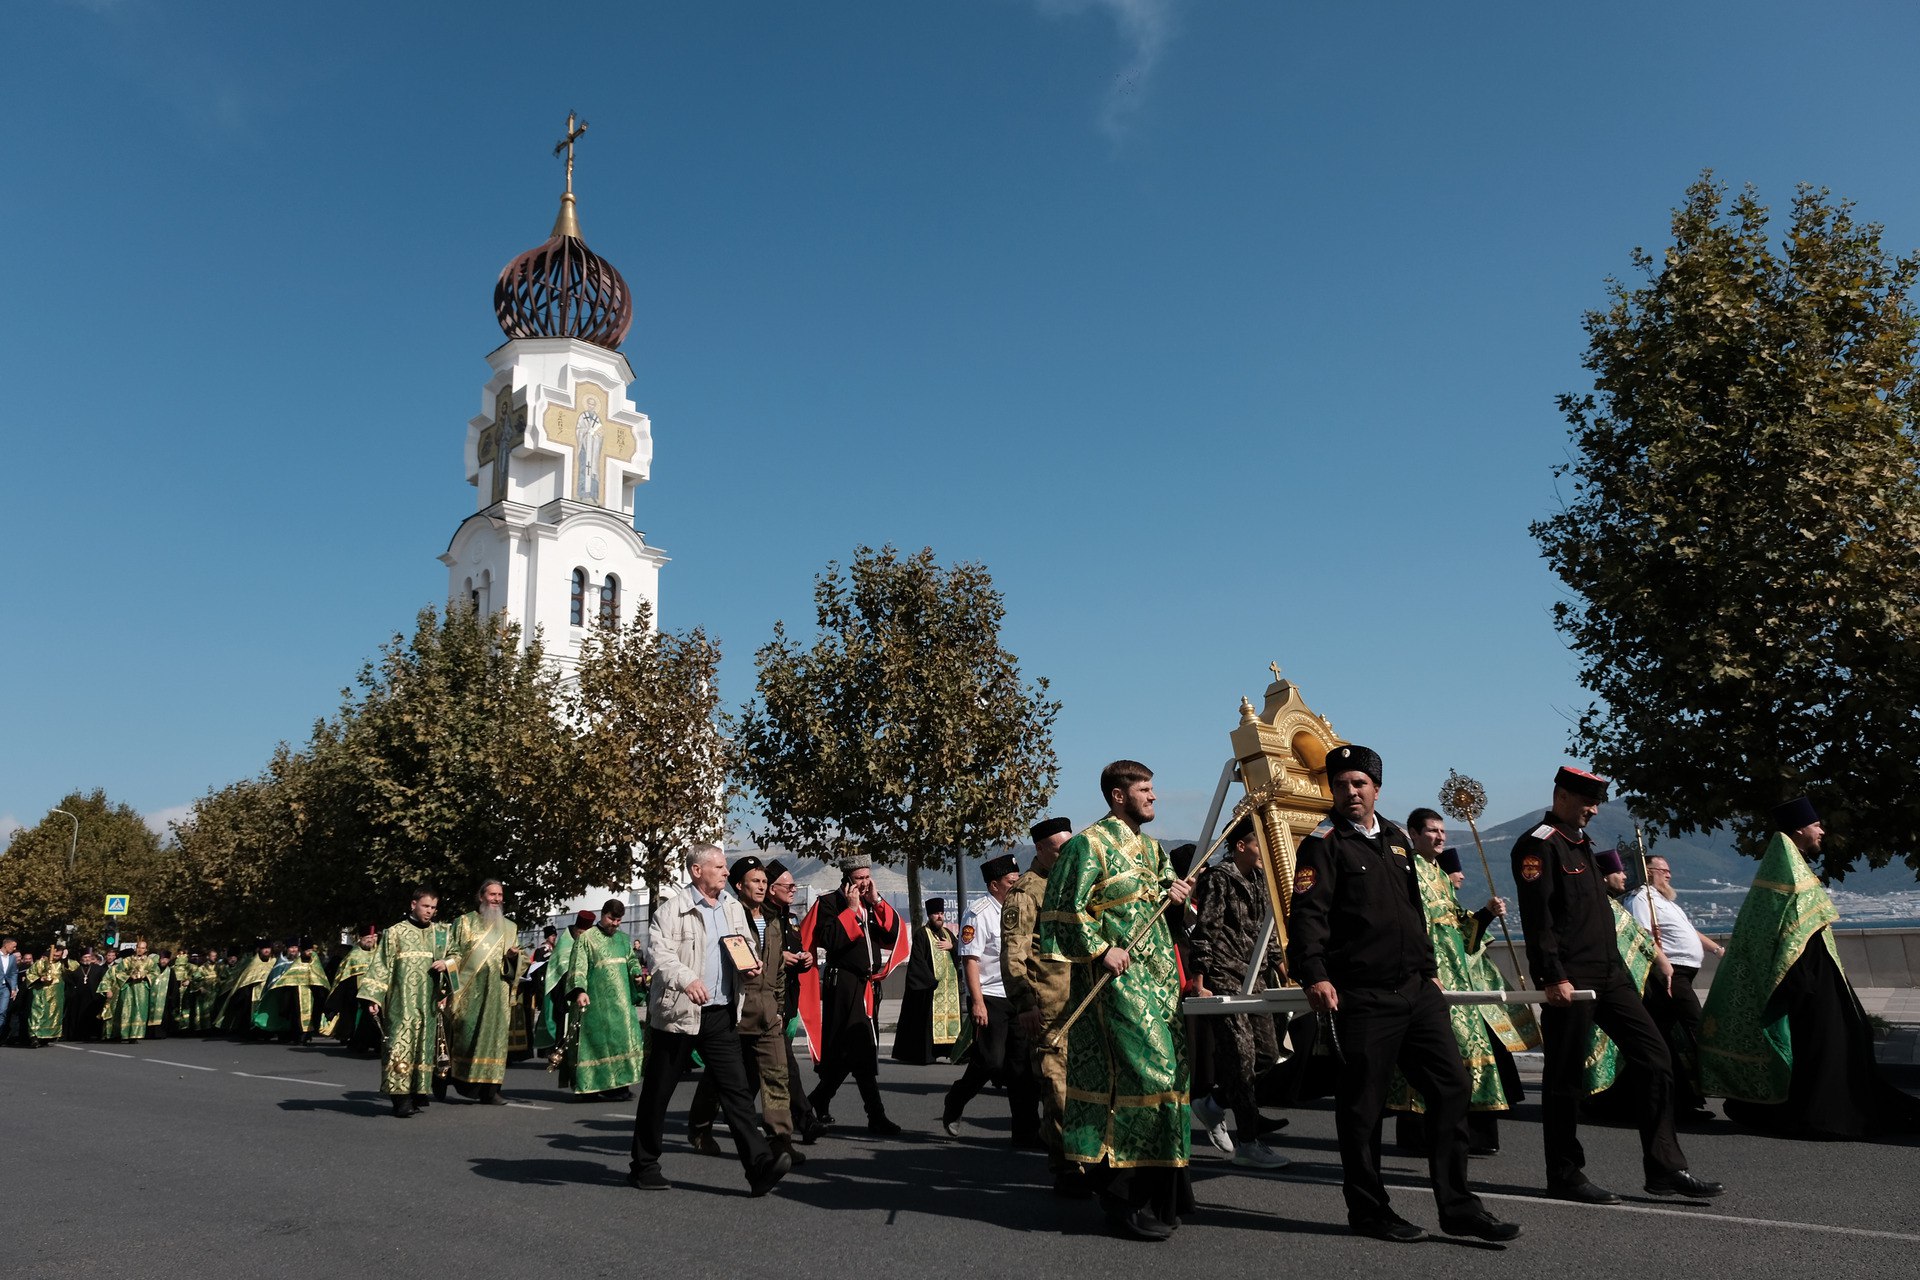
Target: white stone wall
[{"x": 520, "y": 552}]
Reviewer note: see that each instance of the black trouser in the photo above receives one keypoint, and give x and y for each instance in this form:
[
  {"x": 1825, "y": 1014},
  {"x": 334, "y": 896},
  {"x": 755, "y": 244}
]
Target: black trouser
[
  {"x": 1380, "y": 1029},
  {"x": 1000, "y": 1054},
  {"x": 1677, "y": 1014},
  {"x": 668, "y": 1054},
  {"x": 797, "y": 1098},
  {"x": 1617, "y": 1010},
  {"x": 866, "y": 1078},
  {"x": 852, "y": 1044}
]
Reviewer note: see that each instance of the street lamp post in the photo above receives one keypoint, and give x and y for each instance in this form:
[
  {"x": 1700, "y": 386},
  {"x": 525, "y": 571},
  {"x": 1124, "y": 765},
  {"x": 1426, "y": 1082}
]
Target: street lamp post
[{"x": 73, "y": 846}]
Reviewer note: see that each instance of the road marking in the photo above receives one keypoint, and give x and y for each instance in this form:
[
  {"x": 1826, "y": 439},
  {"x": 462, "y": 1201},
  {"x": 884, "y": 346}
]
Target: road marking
[
  {"x": 188, "y": 1065},
  {"x": 320, "y": 1084},
  {"x": 1702, "y": 1213},
  {"x": 1705, "y": 1214},
  {"x": 617, "y": 1115},
  {"x": 529, "y": 1106},
  {"x": 106, "y": 1053},
  {"x": 71, "y": 1048}
]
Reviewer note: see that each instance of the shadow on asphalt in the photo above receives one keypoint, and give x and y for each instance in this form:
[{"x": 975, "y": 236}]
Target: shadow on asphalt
[
  {"x": 619, "y": 1143},
  {"x": 354, "y": 1104},
  {"x": 547, "y": 1173}
]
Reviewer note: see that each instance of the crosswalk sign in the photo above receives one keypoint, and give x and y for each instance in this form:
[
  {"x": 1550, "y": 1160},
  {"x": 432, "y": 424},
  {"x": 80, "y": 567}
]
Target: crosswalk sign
[{"x": 116, "y": 904}]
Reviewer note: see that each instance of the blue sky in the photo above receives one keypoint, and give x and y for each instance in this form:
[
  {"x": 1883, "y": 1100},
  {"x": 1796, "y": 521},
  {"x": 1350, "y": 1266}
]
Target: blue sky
[{"x": 1222, "y": 333}]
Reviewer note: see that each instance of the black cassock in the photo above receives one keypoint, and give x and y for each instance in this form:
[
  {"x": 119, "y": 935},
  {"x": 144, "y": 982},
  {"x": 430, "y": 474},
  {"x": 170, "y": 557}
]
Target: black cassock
[
  {"x": 849, "y": 950},
  {"x": 913, "y": 1037},
  {"x": 1837, "y": 1089}
]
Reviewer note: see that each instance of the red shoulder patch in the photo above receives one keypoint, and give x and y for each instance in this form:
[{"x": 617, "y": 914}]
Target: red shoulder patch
[
  {"x": 966, "y": 933},
  {"x": 1303, "y": 880},
  {"x": 1531, "y": 867}
]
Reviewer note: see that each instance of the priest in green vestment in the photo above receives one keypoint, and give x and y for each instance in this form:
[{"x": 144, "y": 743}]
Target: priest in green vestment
[
  {"x": 602, "y": 982},
  {"x": 1488, "y": 1035},
  {"x": 347, "y": 1019},
  {"x": 291, "y": 1006},
  {"x": 1643, "y": 961},
  {"x": 1127, "y": 1113},
  {"x": 240, "y": 1003},
  {"x": 127, "y": 993},
  {"x": 46, "y": 985},
  {"x": 162, "y": 993},
  {"x": 202, "y": 995},
  {"x": 485, "y": 963},
  {"x": 402, "y": 987},
  {"x": 1783, "y": 1037}
]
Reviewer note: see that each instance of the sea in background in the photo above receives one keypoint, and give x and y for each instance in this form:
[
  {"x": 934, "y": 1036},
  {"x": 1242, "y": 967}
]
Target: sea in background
[{"x": 1709, "y": 873}]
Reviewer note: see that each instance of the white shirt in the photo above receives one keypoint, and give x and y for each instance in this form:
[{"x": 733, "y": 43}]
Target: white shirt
[
  {"x": 1678, "y": 938},
  {"x": 980, "y": 939}
]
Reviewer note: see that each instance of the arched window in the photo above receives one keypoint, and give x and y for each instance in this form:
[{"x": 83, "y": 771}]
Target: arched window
[
  {"x": 610, "y": 601},
  {"x": 473, "y": 597},
  {"x": 577, "y": 611}
]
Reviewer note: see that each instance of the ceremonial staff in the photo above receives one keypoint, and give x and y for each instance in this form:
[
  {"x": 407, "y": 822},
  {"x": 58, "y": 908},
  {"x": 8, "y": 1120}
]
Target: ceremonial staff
[
  {"x": 1463, "y": 798},
  {"x": 1646, "y": 880},
  {"x": 1253, "y": 800}
]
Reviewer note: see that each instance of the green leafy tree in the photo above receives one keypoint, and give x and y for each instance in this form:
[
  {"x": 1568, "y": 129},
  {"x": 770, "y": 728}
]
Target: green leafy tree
[
  {"x": 49, "y": 882},
  {"x": 256, "y": 857},
  {"x": 453, "y": 765},
  {"x": 1742, "y": 541},
  {"x": 652, "y": 773},
  {"x": 905, "y": 732}
]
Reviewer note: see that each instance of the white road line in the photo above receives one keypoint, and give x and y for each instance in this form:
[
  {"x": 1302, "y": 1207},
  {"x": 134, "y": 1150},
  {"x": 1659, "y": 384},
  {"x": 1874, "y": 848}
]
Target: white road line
[
  {"x": 1701, "y": 1214},
  {"x": 188, "y": 1065},
  {"x": 321, "y": 1084},
  {"x": 1706, "y": 1214},
  {"x": 529, "y": 1106},
  {"x": 71, "y": 1048},
  {"x": 618, "y": 1115},
  {"x": 107, "y": 1053}
]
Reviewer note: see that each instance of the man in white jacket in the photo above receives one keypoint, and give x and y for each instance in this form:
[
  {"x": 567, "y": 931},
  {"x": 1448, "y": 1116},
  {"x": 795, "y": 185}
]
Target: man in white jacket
[{"x": 693, "y": 1005}]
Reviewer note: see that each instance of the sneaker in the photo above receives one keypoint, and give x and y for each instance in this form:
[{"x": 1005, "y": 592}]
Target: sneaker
[
  {"x": 1258, "y": 1155},
  {"x": 1213, "y": 1118},
  {"x": 651, "y": 1180}
]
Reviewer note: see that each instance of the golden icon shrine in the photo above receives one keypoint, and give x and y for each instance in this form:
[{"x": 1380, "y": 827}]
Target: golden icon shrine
[{"x": 1281, "y": 754}]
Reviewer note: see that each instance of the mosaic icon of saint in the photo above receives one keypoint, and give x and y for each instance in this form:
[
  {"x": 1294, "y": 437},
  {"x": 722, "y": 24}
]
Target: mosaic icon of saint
[
  {"x": 513, "y": 433},
  {"x": 590, "y": 444}
]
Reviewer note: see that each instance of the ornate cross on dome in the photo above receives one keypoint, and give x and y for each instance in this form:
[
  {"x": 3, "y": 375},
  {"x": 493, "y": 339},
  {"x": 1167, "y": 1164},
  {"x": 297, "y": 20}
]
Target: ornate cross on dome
[
  {"x": 1275, "y": 668},
  {"x": 566, "y": 144}
]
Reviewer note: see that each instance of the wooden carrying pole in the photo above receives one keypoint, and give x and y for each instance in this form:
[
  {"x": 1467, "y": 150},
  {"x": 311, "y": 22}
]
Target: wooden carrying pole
[{"x": 1246, "y": 806}]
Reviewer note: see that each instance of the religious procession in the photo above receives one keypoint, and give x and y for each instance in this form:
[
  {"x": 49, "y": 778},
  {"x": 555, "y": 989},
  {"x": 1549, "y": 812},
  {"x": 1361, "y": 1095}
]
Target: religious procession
[{"x": 1118, "y": 995}]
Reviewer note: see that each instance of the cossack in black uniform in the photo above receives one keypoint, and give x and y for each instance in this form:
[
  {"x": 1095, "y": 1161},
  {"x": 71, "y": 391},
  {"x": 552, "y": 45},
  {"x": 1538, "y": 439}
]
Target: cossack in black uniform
[
  {"x": 1357, "y": 924},
  {"x": 1568, "y": 919}
]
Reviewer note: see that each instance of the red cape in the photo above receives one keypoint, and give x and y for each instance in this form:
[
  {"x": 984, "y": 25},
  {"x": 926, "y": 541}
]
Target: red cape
[{"x": 886, "y": 916}]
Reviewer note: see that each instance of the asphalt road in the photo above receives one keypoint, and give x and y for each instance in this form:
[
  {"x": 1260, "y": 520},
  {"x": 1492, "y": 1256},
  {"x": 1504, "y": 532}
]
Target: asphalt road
[{"x": 209, "y": 1158}]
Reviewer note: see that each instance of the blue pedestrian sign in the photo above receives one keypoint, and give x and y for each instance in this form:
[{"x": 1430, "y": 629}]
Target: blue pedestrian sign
[{"x": 116, "y": 904}]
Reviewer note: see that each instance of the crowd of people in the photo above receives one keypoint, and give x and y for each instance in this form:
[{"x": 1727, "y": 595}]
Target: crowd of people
[{"x": 1063, "y": 988}]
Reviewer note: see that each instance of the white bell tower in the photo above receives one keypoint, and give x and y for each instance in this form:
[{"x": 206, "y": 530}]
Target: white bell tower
[{"x": 558, "y": 452}]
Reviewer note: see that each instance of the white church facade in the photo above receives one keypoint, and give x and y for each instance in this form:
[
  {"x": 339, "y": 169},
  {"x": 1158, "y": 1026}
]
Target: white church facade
[
  {"x": 558, "y": 451},
  {"x": 557, "y": 455}
]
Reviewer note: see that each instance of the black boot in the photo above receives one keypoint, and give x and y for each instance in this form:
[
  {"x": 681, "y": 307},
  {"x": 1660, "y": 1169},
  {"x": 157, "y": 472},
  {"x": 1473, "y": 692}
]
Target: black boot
[
  {"x": 403, "y": 1106},
  {"x": 490, "y": 1096}
]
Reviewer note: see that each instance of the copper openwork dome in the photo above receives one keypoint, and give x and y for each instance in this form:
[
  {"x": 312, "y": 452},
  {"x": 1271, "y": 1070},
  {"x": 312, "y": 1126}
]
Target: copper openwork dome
[{"x": 562, "y": 289}]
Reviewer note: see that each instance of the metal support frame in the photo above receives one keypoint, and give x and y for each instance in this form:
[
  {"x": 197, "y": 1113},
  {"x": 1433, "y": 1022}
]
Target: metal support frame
[{"x": 1294, "y": 1000}]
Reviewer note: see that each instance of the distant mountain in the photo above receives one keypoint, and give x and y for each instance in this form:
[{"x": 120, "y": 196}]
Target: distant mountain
[{"x": 1709, "y": 872}]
